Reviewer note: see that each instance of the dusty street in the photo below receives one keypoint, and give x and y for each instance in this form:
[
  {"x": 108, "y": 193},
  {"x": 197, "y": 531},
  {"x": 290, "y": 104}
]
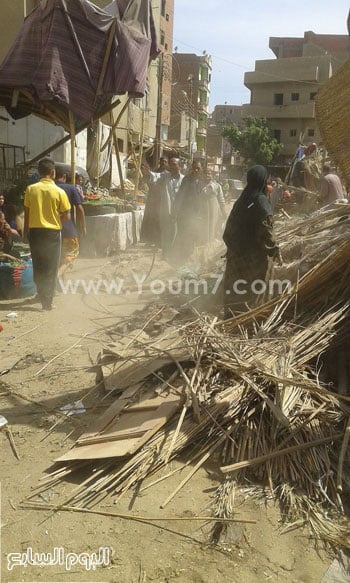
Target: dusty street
[{"x": 50, "y": 357}]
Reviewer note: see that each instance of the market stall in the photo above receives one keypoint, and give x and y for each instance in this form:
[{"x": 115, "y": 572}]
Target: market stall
[
  {"x": 112, "y": 223},
  {"x": 111, "y": 233}
]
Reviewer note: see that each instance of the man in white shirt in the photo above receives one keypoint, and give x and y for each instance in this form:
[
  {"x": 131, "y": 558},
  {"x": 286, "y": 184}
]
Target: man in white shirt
[{"x": 169, "y": 184}]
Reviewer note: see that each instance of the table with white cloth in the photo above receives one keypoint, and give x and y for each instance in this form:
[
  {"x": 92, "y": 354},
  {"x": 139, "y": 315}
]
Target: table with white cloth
[{"x": 110, "y": 233}]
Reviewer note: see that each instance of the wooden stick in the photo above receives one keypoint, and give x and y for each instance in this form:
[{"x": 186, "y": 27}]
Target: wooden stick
[
  {"x": 106, "y": 57},
  {"x": 285, "y": 213},
  {"x": 176, "y": 433},
  {"x": 119, "y": 164},
  {"x": 25, "y": 333},
  {"x": 61, "y": 354},
  {"x": 79, "y": 129},
  {"x": 45, "y": 506},
  {"x": 139, "y": 162},
  {"x": 10, "y": 392},
  {"x": 76, "y": 42},
  {"x": 169, "y": 474},
  {"x": 193, "y": 471},
  {"x": 263, "y": 458},
  {"x": 120, "y": 114},
  {"x": 12, "y": 441},
  {"x": 72, "y": 146}
]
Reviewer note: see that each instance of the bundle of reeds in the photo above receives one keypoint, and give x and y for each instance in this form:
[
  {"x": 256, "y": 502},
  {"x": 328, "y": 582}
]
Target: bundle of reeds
[
  {"x": 256, "y": 400},
  {"x": 253, "y": 394}
]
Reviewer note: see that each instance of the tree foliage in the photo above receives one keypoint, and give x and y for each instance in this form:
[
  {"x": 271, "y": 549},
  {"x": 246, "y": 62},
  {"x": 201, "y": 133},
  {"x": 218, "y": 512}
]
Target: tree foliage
[{"x": 254, "y": 142}]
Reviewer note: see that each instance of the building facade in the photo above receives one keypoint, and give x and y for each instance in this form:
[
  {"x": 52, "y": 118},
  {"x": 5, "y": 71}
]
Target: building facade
[
  {"x": 283, "y": 90},
  {"x": 191, "y": 77},
  {"x": 218, "y": 147}
]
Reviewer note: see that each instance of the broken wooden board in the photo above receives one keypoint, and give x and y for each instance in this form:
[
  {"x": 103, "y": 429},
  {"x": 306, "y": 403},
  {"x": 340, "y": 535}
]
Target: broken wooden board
[
  {"x": 119, "y": 375},
  {"x": 121, "y": 431},
  {"x": 119, "y": 371}
]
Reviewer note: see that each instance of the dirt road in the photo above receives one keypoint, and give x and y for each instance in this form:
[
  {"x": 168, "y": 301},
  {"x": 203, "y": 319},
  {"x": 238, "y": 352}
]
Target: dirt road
[{"x": 49, "y": 355}]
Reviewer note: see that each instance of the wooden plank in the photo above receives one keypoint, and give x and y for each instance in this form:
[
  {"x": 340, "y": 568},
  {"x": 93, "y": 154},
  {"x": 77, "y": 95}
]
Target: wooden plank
[
  {"x": 166, "y": 411},
  {"x": 136, "y": 422},
  {"x": 108, "y": 416},
  {"x": 123, "y": 374},
  {"x": 118, "y": 449},
  {"x": 124, "y": 447}
]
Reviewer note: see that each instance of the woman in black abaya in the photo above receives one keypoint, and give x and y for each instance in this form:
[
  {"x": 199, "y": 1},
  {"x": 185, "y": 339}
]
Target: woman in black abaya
[{"x": 251, "y": 245}]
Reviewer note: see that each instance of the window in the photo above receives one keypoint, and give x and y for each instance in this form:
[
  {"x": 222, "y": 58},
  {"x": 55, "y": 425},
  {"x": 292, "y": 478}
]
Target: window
[
  {"x": 162, "y": 37},
  {"x": 167, "y": 17},
  {"x": 293, "y": 133},
  {"x": 277, "y": 135},
  {"x": 310, "y": 132},
  {"x": 295, "y": 96},
  {"x": 278, "y": 99},
  {"x": 313, "y": 95},
  {"x": 163, "y": 7}
]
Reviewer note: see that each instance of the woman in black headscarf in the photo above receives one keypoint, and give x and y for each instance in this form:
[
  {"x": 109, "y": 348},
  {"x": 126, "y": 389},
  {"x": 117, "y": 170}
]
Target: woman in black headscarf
[{"x": 251, "y": 245}]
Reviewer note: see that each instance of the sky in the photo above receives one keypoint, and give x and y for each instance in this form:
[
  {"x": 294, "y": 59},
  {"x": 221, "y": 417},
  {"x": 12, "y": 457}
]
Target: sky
[{"x": 236, "y": 33}]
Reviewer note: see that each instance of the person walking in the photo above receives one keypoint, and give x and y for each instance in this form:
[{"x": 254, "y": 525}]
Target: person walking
[
  {"x": 213, "y": 207},
  {"x": 46, "y": 206},
  {"x": 251, "y": 245},
  {"x": 150, "y": 228},
  {"x": 188, "y": 213},
  {"x": 169, "y": 185},
  {"x": 70, "y": 228}
]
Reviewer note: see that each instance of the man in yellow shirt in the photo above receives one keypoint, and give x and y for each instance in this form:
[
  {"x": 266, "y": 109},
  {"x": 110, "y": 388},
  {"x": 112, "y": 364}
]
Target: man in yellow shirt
[{"x": 45, "y": 206}]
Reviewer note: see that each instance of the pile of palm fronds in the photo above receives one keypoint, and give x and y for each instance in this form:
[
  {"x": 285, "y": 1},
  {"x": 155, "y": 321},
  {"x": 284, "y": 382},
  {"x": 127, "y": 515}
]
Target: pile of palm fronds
[
  {"x": 304, "y": 242},
  {"x": 252, "y": 392}
]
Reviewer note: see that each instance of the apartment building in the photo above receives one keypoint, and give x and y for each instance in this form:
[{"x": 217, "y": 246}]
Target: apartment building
[
  {"x": 283, "y": 89},
  {"x": 218, "y": 147},
  {"x": 191, "y": 77}
]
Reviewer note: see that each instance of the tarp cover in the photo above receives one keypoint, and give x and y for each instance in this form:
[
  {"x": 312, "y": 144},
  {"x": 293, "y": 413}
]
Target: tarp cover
[{"x": 72, "y": 56}]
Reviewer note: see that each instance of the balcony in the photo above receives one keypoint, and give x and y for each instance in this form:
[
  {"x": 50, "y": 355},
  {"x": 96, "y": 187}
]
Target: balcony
[
  {"x": 290, "y": 111},
  {"x": 288, "y": 71},
  {"x": 202, "y": 107},
  {"x": 203, "y": 83}
]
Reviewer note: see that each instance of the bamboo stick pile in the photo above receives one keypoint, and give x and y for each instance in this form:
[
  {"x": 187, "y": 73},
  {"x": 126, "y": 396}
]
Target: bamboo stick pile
[
  {"x": 304, "y": 242},
  {"x": 252, "y": 396}
]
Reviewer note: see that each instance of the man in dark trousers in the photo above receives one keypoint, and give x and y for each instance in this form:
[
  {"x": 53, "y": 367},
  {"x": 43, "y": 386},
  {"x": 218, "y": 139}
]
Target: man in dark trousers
[{"x": 45, "y": 206}]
